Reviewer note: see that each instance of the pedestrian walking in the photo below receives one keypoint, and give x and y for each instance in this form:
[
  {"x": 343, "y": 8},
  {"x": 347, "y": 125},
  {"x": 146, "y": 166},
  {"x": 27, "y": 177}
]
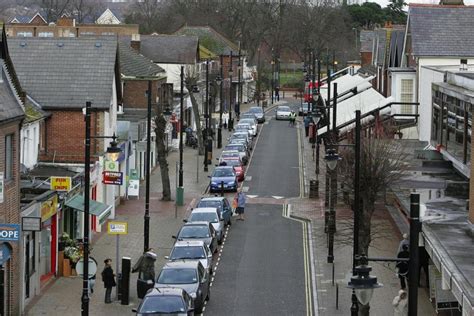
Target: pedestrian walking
[
  {"x": 307, "y": 120},
  {"x": 225, "y": 119},
  {"x": 108, "y": 277},
  {"x": 292, "y": 118},
  {"x": 240, "y": 199},
  {"x": 402, "y": 266},
  {"x": 146, "y": 265},
  {"x": 404, "y": 241},
  {"x": 400, "y": 304}
]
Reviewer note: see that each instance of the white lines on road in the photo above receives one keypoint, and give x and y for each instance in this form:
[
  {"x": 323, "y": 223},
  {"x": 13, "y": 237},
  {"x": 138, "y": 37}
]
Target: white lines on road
[
  {"x": 248, "y": 178},
  {"x": 245, "y": 189},
  {"x": 250, "y": 196},
  {"x": 277, "y": 197}
]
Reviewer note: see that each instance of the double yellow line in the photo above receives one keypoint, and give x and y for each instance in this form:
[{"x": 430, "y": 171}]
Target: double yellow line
[{"x": 306, "y": 260}]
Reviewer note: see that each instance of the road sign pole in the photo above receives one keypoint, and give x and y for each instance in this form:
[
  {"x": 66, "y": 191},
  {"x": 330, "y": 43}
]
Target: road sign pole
[{"x": 117, "y": 263}]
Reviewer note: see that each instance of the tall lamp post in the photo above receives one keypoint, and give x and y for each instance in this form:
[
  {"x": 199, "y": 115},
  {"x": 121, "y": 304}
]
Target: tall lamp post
[
  {"x": 239, "y": 97},
  {"x": 146, "y": 229},
  {"x": 273, "y": 75},
  {"x": 231, "y": 71},
  {"x": 179, "y": 197},
  {"x": 113, "y": 152},
  {"x": 221, "y": 102},
  {"x": 206, "y": 117}
]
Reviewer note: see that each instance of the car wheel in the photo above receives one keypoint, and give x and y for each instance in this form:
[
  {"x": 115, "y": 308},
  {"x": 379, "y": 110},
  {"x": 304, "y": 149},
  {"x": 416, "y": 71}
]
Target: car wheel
[
  {"x": 229, "y": 223},
  {"x": 208, "y": 297},
  {"x": 198, "y": 310}
]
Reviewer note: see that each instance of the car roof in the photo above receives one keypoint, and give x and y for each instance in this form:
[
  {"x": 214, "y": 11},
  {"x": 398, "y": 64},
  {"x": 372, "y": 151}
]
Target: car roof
[
  {"x": 197, "y": 223},
  {"x": 204, "y": 210},
  {"x": 163, "y": 291},
  {"x": 180, "y": 264},
  {"x": 187, "y": 243},
  {"x": 247, "y": 119},
  {"x": 213, "y": 198},
  {"x": 256, "y": 107},
  {"x": 230, "y": 152},
  {"x": 223, "y": 167},
  {"x": 283, "y": 107}
]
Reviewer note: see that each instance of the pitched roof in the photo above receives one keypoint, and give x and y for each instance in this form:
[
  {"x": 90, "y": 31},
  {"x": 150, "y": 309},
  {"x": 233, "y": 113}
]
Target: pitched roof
[
  {"x": 366, "y": 40},
  {"x": 396, "y": 48},
  {"x": 62, "y": 73},
  {"x": 168, "y": 49},
  {"x": 33, "y": 111},
  {"x": 442, "y": 30},
  {"x": 210, "y": 38},
  {"x": 133, "y": 64},
  {"x": 21, "y": 19},
  {"x": 10, "y": 106}
]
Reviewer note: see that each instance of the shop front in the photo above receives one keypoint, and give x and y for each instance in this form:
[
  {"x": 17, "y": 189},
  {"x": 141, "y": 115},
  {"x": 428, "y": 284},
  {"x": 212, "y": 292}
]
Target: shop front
[
  {"x": 48, "y": 239},
  {"x": 9, "y": 235}
]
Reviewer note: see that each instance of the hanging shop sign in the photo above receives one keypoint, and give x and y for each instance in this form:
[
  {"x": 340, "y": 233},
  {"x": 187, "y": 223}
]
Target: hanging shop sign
[
  {"x": 9, "y": 232},
  {"x": 112, "y": 177},
  {"x": 111, "y": 165},
  {"x": 32, "y": 224},
  {"x": 61, "y": 184}
]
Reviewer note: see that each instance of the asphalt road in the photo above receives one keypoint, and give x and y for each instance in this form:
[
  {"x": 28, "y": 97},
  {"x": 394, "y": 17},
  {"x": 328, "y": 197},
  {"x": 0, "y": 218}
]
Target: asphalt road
[{"x": 261, "y": 267}]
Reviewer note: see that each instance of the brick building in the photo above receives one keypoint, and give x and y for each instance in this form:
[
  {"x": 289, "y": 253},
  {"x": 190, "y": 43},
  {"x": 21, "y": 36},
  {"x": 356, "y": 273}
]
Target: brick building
[{"x": 11, "y": 117}]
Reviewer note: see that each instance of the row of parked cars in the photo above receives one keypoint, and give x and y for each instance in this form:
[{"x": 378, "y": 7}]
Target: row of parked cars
[{"x": 183, "y": 284}]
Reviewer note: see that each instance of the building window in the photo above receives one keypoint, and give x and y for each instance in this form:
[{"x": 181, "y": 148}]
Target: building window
[
  {"x": 87, "y": 33},
  {"x": 406, "y": 95},
  {"x": 108, "y": 33},
  {"x": 45, "y": 34},
  {"x": 24, "y": 34},
  {"x": 9, "y": 157}
]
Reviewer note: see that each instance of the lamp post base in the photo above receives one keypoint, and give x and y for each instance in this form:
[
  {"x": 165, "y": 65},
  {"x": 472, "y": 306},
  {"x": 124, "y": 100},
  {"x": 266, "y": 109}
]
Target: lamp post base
[
  {"x": 180, "y": 196},
  {"x": 219, "y": 137}
]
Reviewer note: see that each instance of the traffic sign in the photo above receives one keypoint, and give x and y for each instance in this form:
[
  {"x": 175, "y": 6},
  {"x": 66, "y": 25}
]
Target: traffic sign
[
  {"x": 92, "y": 267},
  {"x": 117, "y": 228}
]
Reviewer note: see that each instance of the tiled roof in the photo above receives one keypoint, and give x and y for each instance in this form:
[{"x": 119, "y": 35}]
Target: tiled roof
[
  {"x": 442, "y": 30},
  {"x": 381, "y": 35},
  {"x": 33, "y": 112},
  {"x": 21, "y": 19},
  {"x": 366, "y": 41},
  {"x": 210, "y": 38},
  {"x": 396, "y": 48},
  {"x": 133, "y": 64},
  {"x": 10, "y": 107},
  {"x": 63, "y": 73},
  {"x": 168, "y": 49}
]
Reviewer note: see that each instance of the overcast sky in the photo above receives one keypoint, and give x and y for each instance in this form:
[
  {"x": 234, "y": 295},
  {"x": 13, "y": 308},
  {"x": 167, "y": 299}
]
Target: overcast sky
[{"x": 384, "y": 3}]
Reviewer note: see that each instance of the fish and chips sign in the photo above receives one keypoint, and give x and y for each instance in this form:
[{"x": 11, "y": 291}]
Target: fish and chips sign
[{"x": 61, "y": 184}]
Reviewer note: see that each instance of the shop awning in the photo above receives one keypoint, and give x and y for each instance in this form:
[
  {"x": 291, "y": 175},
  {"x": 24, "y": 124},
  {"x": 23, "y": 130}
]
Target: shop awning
[{"x": 101, "y": 210}]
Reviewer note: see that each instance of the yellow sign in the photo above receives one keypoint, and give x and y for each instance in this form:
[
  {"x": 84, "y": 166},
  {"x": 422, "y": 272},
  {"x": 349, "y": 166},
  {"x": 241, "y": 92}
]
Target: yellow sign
[
  {"x": 117, "y": 228},
  {"x": 49, "y": 208},
  {"x": 61, "y": 184}
]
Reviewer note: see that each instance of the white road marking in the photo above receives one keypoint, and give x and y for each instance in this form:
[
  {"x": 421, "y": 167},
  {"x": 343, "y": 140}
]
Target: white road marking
[
  {"x": 245, "y": 189},
  {"x": 248, "y": 178},
  {"x": 251, "y": 196},
  {"x": 277, "y": 197}
]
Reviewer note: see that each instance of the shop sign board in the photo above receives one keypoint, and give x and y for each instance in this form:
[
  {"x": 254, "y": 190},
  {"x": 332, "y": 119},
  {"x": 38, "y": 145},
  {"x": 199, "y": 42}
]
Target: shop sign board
[
  {"x": 9, "y": 232},
  {"x": 1, "y": 187},
  {"x": 112, "y": 177},
  {"x": 117, "y": 228},
  {"x": 49, "y": 208},
  {"x": 111, "y": 165},
  {"x": 31, "y": 223},
  {"x": 61, "y": 184}
]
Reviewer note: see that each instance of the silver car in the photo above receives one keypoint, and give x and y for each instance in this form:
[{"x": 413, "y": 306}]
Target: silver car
[
  {"x": 211, "y": 215},
  {"x": 192, "y": 250},
  {"x": 258, "y": 112},
  {"x": 283, "y": 112},
  {"x": 253, "y": 124}
]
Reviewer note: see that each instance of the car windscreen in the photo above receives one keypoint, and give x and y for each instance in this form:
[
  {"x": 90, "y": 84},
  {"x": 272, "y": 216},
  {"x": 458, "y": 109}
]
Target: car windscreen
[
  {"x": 235, "y": 147},
  {"x": 255, "y": 110},
  {"x": 204, "y": 217},
  {"x": 210, "y": 203},
  {"x": 177, "y": 276},
  {"x": 218, "y": 173},
  {"x": 232, "y": 162},
  {"x": 283, "y": 109},
  {"x": 188, "y": 252},
  {"x": 225, "y": 155},
  {"x": 247, "y": 121},
  {"x": 194, "y": 231},
  {"x": 162, "y": 304},
  {"x": 240, "y": 135}
]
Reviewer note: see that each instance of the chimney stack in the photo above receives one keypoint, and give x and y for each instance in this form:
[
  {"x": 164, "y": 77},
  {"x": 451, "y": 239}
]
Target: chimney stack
[{"x": 135, "y": 42}]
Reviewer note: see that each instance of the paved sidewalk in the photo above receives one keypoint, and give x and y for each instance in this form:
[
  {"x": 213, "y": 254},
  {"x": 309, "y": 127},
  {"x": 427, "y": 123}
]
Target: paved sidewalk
[
  {"x": 333, "y": 298},
  {"x": 62, "y": 296}
]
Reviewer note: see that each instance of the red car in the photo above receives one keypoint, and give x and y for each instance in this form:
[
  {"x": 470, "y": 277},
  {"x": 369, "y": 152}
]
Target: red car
[{"x": 237, "y": 164}]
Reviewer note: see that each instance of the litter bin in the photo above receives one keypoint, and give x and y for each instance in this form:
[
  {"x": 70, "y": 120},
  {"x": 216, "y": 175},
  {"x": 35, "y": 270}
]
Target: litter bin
[
  {"x": 180, "y": 196},
  {"x": 313, "y": 189}
]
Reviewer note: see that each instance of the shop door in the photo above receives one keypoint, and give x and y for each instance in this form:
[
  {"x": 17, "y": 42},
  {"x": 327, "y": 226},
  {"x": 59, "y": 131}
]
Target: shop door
[
  {"x": 45, "y": 251},
  {"x": 2, "y": 291}
]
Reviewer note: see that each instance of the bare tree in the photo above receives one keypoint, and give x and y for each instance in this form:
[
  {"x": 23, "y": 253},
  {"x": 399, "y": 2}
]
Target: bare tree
[
  {"x": 53, "y": 9},
  {"x": 83, "y": 9},
  {"x": 160, "y": 130},
  {"x": 191, "y": 78}
]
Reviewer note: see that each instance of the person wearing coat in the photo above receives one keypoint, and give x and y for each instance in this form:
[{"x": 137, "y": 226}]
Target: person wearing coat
[
  {"x": 146, "y": 265},
  {"x": 108, "y": 277},
  {"x": 400, "y": 304}
]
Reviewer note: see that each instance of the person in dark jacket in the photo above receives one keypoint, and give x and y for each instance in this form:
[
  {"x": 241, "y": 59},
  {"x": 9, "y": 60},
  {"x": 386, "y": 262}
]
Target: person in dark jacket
[
  {"x": 402, "y": 266},
  {"x": 108, "y": 277},
  {"x": 146, "y": 265}
]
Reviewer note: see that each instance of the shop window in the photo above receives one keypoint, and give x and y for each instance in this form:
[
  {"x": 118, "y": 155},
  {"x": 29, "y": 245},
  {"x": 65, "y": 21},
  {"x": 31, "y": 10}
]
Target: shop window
[
  {"x": 8, "y": 157},
  {"x": 45, "y": 34},
  {"x": 24, "y": 34}
]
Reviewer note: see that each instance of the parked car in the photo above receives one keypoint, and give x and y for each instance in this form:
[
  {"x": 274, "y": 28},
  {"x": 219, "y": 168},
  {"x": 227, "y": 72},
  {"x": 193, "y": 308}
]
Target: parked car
[
  {"x": 252, "y": 122},
  {"x": 247, "y": 115},
  {"x": 304, "y": 109},
  {"x": 245, "y": 127},
  {"x": 211, "y": 215},
  {"x": 224, "y": 174},
  {"x": 229, "y": 154},
  {"x": 166, "y": 300},
  {"x": 221, "y": 203},
  {"x": 191, "y": 276},
  {"x": 237, "y": 164},
  {"x": 258, "y": 112},
  {"x": 283, "y": 112},
  {"x": 199, "y": 231},
  {"x": 192, "y": 250},
  {"x": 242, "y": 135},
  {"x": 241, "y": 149}
]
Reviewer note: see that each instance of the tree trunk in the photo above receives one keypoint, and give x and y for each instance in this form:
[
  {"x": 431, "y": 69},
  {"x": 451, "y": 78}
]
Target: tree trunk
[
  {"x": 197, "y": 120},
  {"x": 160, "y": 123}
]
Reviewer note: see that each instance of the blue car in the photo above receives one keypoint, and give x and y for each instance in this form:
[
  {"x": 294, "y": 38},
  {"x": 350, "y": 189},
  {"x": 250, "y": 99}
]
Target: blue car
[
  {"x": 224, "y": 174},
  {"x": 222, "y": 205}
]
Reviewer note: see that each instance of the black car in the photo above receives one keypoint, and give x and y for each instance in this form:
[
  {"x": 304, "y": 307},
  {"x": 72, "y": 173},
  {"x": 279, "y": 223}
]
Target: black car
[{"x": 166, "y": 300}]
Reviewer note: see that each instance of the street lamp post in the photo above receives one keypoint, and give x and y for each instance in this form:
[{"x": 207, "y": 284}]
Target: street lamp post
[
  {"x": 219, "y": 131},
  {"x": 230, "y": 123},
  {"x": 181, "y": 123},
  {"x": 333, "y": 197},
  {"x": 146, "y": 230},
  {"x": 239, "y": 97},
  {"x": 273, "y": 75},
  {"x": 206, "y": 117},
  {"x": 113, "y": 151}
]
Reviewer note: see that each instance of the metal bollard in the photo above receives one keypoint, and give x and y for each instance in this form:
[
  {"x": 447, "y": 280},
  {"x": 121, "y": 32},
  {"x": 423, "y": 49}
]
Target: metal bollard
[{"x": 125, "y": 284}]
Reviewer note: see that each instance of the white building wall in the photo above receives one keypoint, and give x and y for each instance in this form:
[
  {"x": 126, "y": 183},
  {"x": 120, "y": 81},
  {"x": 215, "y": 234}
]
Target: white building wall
[
  {"x": 426, "y": 77},
  {"x": 29, "y": 143}
]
